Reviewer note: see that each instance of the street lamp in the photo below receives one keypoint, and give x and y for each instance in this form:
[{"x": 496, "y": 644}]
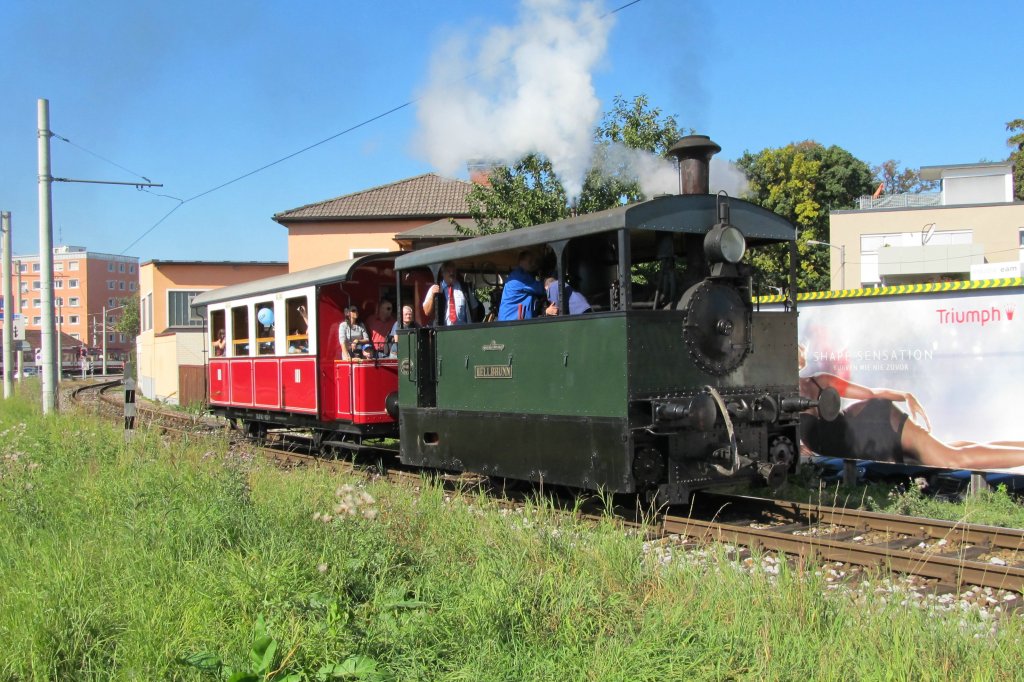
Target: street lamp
[{"x": 842, "y": 259}]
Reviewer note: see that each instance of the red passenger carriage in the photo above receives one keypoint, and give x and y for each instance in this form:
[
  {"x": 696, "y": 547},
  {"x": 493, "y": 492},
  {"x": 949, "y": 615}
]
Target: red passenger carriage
[{"x": 274, "y": 357}]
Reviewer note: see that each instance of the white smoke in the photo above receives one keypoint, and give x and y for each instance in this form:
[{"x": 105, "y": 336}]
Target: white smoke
[
  {"x": 726, "y": 176},
  {"x": 520, "y": 89},
  {"x": 659, "y": 175}
]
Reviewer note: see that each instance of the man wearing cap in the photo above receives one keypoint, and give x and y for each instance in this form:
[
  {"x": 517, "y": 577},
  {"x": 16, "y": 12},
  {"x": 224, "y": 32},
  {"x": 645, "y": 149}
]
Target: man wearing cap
[{"x": 351, "y": 334}]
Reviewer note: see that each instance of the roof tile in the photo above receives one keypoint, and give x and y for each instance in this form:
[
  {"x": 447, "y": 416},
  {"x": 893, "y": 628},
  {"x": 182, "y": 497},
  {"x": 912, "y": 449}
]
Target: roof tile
[{"x": 427, "y": 195}]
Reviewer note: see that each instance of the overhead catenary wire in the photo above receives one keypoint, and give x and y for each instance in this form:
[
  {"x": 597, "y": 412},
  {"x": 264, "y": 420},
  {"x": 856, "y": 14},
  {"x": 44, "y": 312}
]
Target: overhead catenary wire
[{"x": 300, "y": 151}]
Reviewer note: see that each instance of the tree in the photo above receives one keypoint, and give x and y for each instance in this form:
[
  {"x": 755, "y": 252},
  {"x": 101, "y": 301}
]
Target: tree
[
  {"x": 528, "y": 192},
  {"x": 128, "y": 323},
  {"x": 1016, "y": 141},
  {"x": 802, "y": 182},
  {"x": 901, "y": 181}
]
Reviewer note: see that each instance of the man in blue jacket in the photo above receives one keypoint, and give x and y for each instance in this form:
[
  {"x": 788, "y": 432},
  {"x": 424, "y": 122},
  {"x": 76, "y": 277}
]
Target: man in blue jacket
[{"x": 521, "y": 290}]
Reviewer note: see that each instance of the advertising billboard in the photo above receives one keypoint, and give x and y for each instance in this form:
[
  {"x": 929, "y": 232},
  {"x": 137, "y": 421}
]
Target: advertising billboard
[{"x": 927, "y": 377}]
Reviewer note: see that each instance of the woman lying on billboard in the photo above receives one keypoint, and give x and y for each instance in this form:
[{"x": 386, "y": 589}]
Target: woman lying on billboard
[{"x": 874, "y": 428}]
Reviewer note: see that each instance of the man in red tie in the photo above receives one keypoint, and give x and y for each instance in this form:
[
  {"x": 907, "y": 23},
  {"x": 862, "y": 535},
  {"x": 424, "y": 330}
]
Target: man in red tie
[{"x": 456, "y": 299}]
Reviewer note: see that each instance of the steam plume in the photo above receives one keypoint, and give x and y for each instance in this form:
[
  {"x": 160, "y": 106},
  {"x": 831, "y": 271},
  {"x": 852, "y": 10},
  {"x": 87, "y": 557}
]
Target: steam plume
[{"x": 520, "y": 89}]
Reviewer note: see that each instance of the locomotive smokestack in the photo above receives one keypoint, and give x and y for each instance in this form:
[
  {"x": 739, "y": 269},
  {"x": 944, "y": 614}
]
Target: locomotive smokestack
[{"x": 694, "y": 153}]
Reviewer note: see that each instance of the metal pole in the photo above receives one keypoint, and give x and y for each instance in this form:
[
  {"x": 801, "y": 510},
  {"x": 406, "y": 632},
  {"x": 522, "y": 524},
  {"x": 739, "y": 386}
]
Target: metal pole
[
  {"x": 5, "y": 225},
  {"x": 104, "y": 340},
  {"x": 48, "y": 328},
  {"x": 842, "y": 266}
]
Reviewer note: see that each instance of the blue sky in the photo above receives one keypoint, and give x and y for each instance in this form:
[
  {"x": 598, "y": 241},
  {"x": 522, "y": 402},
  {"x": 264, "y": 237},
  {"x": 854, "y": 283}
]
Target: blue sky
[{"x": 195, "y": 94}]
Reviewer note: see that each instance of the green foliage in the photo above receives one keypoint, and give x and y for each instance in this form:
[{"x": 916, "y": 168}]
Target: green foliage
[
  {"x": 529, "y": 193},
  {"x": 802, "y": 182},
  {"x": 1016, "y": 142},
  {"x": 895, "y": 180},
  {"x": 129, "y": 322}
]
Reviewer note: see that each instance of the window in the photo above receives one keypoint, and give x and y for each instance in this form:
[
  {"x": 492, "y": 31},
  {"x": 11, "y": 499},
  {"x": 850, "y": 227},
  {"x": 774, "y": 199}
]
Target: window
[
  {"x": 296, "y": 318},
  {"x": 73, "y": 319},
  {"x": 359, "y": 253},
  {"x": 73, "y": 265},
  {"x": 72, "y": 284},
  {"x": 217, "y": 343},
  {"x": 120, "y": 285},
  {"x": 111, "y": 320},
  {"x": 121, "y": 337},
  {"x": 74, "y": 301},
  {"x": 24, "y": 287},
  {"x": 131, "y": 268},
  {"x": 111, "y": 303},
  {"x": 131, "y": 286},
  {"x": 36, "y": 320},
  {"x": 111, "y": 284},
  {"x": 179, "y": 309},
  {"x": 110, "y": 267},
  {"x": 76, "y": 337},
  {"x": 240, "y": 331},
  {"x": 24, "y": 304},
  {"x": 58, "y": 301},
  {"x": 111, "y": 337},
  {"x": 58, "y": 284},
  {"x": 37, "y": 284},
  {"x": 265, "y": 328},
  {"x": 120, "y": 267},
  {"x": 36, "y": 302},
  {"x": 58, "y": 267},
  {"x": 146, "y": 313},
  {"x": 22, "y": 267},
  {"x": 35, "y": 267}
]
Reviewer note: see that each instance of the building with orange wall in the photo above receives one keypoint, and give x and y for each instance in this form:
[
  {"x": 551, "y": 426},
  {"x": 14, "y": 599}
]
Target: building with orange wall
[
  {"x": 84, "y": 283},
  {"x": 170, "y": 341},
  {"x": 367, "y": 221}
]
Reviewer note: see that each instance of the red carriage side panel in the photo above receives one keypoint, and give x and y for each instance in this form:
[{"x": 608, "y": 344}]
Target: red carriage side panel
[
  {"x": 241, "y": 382},
  {"x": 343, "y": 389},
  {"x": 218, "y": 382},
  {"x": 371, "y": 384},
  {"x": 298, "y": 384},
  {"x": 267, "y": 389},
  {"x": 329, "y": 316}
]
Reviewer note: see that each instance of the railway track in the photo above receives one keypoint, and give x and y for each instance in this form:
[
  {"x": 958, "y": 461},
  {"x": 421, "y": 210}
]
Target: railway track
[{"x": 950, "y": 557}]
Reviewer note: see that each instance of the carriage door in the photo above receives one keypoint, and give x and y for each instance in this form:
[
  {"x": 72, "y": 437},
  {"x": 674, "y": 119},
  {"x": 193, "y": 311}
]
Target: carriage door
[{"x": 423, "y": 369}]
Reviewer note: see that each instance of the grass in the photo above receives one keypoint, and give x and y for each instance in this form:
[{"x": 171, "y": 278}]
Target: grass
[
  {"x": 160, "y": 560},
  {"x": 990, "y": 507}
]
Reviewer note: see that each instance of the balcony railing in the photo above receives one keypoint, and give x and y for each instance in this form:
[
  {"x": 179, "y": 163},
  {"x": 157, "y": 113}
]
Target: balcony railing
[{"x": 900, "y": 200}]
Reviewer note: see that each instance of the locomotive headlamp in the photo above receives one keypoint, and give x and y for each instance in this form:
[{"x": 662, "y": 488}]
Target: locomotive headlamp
[{"x": 724, "y": 244}]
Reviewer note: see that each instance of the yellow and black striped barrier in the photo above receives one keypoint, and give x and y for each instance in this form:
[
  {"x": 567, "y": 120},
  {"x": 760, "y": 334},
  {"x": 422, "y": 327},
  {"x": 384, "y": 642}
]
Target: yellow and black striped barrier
[{"x": 900, "y": 290}]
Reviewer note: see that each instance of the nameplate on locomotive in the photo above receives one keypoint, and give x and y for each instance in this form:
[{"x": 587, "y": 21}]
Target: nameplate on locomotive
[
  {"x": 492, "y": 372},
  {"x": 493, "y": 345}
]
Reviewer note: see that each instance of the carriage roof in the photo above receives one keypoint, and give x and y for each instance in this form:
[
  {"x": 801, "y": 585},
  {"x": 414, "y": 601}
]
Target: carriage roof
[
  {"x": 685, "y": 214},
  {"x": 323, "y": 274}
]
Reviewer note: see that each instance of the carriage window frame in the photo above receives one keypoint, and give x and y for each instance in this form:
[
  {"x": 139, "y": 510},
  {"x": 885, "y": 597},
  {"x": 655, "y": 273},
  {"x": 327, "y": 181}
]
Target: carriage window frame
[
  {"x": 297, "y": 328},
  {"x": 240, "y": 346},
  {"x": 265, "y": 337},
  {"x": 218, "y": 323}
]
